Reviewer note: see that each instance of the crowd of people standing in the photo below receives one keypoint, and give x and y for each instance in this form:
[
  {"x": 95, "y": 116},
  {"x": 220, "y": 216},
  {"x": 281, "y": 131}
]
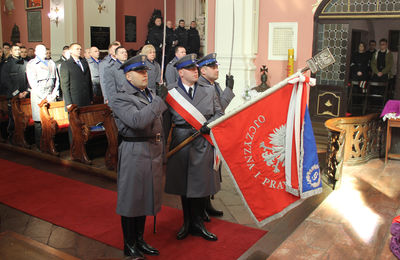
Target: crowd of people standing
[
  {"x": 136, "y": 92},
  {"x": 180, "y": 36},
  {"x": 371, "y": 64}
]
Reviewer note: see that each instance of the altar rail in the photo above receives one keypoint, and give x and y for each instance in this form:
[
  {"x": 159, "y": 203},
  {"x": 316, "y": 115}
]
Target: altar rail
[{"x": 352, "y": 140}]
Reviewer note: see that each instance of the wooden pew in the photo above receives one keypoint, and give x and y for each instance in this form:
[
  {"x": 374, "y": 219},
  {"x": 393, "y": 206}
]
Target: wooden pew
[
  {"x": 81, "y": 119},
  {"x": 22, "y": 114},
  {"x": 3, "y": 114},
  {"x": 54, "y": 120}
]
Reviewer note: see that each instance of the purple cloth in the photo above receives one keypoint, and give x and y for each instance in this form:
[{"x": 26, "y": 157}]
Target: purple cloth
[
  {"x": 392, "y": 106},
  {"x": 395, "y": 241}
]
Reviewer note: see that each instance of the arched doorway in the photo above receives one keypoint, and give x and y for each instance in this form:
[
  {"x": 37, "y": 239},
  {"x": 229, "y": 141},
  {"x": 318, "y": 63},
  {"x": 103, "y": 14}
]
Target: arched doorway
[{"x": 338, "y": 24}]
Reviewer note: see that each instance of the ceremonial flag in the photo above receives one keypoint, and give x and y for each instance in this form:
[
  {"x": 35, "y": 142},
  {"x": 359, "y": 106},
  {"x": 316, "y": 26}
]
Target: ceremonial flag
[{"x": 269, "y": 149}]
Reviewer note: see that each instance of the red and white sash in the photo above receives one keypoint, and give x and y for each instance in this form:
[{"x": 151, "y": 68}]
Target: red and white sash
[{"x": 191, "y": 115}]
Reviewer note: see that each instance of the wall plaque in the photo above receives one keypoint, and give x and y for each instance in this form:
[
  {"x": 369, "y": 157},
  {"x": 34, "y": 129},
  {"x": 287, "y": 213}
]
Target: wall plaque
[
  {"x": 33, "y": 4},
  {"x": 130, "y": 28},
  {"x": 100, "y": 37},
  {"x": 34, "y": 26}
]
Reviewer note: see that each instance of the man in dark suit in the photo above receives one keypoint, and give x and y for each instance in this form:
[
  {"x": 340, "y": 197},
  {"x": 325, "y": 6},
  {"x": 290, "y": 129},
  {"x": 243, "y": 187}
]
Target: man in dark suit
[
  {"x": 76, "y": 83},
  {"x": 193, "y": 39},
  {"x": 182, "y": 34}
]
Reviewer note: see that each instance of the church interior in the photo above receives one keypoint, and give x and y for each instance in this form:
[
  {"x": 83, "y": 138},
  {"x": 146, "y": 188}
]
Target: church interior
[{"x": 58, "y": 195}]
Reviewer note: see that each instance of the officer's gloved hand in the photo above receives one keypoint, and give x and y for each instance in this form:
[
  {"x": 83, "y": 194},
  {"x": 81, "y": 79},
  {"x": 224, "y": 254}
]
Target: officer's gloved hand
[
  {"x": 161, "y": 90},
  {"x": 205, "y": 129},
  {"x": 229, "y": 81}
]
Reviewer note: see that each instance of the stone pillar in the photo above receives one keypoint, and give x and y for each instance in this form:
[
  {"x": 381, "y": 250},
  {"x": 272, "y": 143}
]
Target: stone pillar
[
  {"x": 245, "y": 43},
  {"x": 66, "y": 31},
  {"x": 186, "y": 10}
]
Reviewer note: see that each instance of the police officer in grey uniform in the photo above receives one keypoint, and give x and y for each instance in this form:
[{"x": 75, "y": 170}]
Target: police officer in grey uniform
[
  {"x": 190, "y": 171},
  {"x": 209, "y": 72},
  {"x": 94, "y": 62},
  {"x": 138, "y": 116},
  {"x": 44, "y": 81},
  {"x": 171, "y": 73},
  {"x": 105, "y": 65},
  {"x": 154, "y": 72},
  {"x": 115, "y": 75}
]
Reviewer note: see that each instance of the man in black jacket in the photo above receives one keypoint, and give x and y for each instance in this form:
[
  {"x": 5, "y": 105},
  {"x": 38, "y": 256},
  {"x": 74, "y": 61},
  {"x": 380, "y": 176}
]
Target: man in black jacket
[
  {"x": 76, "y": 83},
  {"x": 14, "y": 81},
  {"x": 155, "y": 38},
  {"x": 170, "y": 42},
  {"x": 193, "y": 39},
  {"x": 182, "y": 34}
]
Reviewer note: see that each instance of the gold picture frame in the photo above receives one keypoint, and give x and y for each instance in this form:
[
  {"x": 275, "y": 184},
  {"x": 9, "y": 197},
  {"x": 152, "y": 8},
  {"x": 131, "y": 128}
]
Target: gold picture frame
[{"x": 33, "y": 4}]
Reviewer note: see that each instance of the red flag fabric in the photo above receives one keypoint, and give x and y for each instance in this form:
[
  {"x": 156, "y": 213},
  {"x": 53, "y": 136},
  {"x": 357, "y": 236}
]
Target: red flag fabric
[{"x": 252, "y": 143}]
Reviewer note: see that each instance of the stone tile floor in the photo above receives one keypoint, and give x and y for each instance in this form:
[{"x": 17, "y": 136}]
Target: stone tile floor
[{"x": 354, "y": 221}]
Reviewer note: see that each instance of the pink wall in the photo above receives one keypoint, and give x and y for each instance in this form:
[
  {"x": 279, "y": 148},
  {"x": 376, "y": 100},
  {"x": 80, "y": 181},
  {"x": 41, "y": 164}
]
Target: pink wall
[
  {"x": 142, "y": 11},
  {"x": 19, "y": 17},
  {"x": 275, "y": 11},
  {"x": 284, "y": 11},
  {"x": 211, "y": 26}
]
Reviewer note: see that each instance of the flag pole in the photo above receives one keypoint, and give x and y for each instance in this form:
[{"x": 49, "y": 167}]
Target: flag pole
[
  {"x": 163, "y": 44},
  {"x": 235, "y": 111},
  {"x": 320, "y": 61},
  {"x": 266, "y": 93},
  {"x": 233, "y": 36},
  {"x": 162, "y": 75}
]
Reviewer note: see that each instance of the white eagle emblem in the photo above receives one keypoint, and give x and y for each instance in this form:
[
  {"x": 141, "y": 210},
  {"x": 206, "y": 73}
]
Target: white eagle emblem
[{"x": 275, "y": 154}]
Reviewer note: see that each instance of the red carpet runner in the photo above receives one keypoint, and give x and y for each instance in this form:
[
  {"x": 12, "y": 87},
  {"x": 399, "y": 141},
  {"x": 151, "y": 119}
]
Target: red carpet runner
[{"x": 90, "y": 211}]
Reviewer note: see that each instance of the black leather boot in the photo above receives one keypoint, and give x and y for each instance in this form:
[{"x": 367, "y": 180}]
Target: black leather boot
[
  {"x": 184, "y": 231},
  {"x": 206, "y": 217},
  {"x": 128, "y": 230},
  {"x": 140, "y": 243},
  {"x": 211, "y": 210},
  {"x": 197, "y": 227}
]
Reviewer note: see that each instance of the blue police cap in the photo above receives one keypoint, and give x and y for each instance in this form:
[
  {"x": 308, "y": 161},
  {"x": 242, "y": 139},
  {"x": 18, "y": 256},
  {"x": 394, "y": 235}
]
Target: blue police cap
[
  {"x": 210, "y": 59},
  {"x": 187, "y": 61},
  {"x": 135, "y": 63}
]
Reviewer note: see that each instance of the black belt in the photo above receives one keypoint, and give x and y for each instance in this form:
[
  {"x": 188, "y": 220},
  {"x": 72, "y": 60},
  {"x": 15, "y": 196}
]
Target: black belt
[
  {"x": 184, "y": 126},
  {"x": 156, "y": 138}
]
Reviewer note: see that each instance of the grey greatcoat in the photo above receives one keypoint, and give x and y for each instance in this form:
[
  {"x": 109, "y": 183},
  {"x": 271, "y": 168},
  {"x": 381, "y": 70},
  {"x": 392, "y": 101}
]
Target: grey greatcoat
[
  {"x": 104, "y": 65},
  {"x": 154, "y": 74},
  {"x": 190, "y": 171},
  {"x": 225, "y": 97},
  {"x": 114, "y": 79},
  {"x": 94, "y": 73},
  {"x": 139, "y": 177},
  {"x": 171, "y": 74},
  {"x": 44, "y": 82}
]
